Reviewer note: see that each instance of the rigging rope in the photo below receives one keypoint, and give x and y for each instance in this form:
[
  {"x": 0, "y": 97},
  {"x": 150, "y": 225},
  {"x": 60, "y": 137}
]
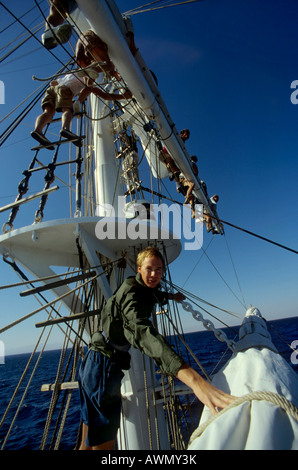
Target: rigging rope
[
  {"x": 187, "y": 347},
  {"x": 21, "y": 16},
  {"x": 27, "y": 29},
  {"x": 25, "y": 317},
  {"x": 204, "y": 252},
  {"x": 255, "y": 235},
  {"x": 26, "y": 388},
  {"x": 193, "y": 296},
  {"x": 271, "y": 397},
  {"x": 243, "y": 230},
  {"x": 18, "y": 45},
  {"x": 236, "y": 275},
  {"x": 23, "y": 276},
  {"x": 134, "y": 11}
]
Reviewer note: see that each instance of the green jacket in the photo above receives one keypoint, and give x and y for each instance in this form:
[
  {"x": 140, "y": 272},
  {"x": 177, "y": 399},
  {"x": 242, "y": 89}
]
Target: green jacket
[{"x": 125, "y": 321}]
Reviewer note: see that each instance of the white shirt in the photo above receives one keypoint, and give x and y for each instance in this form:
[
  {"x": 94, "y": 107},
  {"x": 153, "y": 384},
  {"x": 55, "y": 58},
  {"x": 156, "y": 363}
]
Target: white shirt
[{"x": 73, "y": 82}]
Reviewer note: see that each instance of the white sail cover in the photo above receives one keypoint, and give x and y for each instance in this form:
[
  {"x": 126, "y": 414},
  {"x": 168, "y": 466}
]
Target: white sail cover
[{"x": 253, "y": 425}]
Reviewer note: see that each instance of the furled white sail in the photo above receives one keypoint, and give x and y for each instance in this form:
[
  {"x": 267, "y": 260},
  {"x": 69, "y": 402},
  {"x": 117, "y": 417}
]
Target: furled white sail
[{"x": 268, "y": 420}]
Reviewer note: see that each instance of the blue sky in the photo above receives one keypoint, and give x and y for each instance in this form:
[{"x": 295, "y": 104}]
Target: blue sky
[{"x": 224, "y": 69}]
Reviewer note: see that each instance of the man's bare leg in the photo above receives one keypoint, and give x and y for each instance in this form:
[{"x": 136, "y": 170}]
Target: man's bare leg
[
  {"x": 83, "y": 445},
  {"x": 110, "y": 445}
]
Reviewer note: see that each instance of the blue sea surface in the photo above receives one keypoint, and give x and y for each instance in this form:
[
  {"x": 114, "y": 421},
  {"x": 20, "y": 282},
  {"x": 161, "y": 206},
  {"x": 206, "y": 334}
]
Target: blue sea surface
[{"x": 27, "y": 431}]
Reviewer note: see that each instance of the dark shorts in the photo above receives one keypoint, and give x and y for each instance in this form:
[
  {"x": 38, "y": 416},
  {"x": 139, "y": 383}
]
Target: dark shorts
[{"x": 99, "y": 384}]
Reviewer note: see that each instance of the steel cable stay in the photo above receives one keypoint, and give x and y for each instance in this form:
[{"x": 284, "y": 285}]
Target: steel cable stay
[
  {"x": 67, "y": 396},
  {"x": 18, "y": 409},
  {"x": 38, "y": 296},
  {"x": 218, "y": 333},
  {"x": 242, "y": 302},
  {"x": 236, "y": 274},
  {"x": 46, "y": 278},
  {"x": 57, "y": 433},
  {"x": 48, "y": 304},
  {"x": 198, "y": 316},
  {"x": 21, "y": 16},
  {"x": 74, "y": 348},
  {"x": 30, "y": 32},
  {"x": 201, "y": 257},
  {"x": 137, "y": 10},
  {"x": 66, "y": 335},
  {"x": 192, "y": 297},
  {"x": 129, "y": 12},
  {"x": 7, "y": 54},
  {"x": 22, "y": 102},
  {"x": 205, "y": 253},
  {"x": 249, "y": 232},
  {"x": 66, "y": 363},
  {"x": 4, "y": 136},
  {"x": 10, "y": 129}
]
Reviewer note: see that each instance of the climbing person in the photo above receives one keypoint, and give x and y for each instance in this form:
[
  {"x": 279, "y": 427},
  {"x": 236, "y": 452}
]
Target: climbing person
[
  {"x": 189, "y": 185},
  {"x": 130, "y": 161},
  {"x": 209, "y": 221},
  {"x": 169, "y": 163},
  {"x": 57, "y": 31},
  {"x": 188, "y": 189},
  {"x": 193, "y": 163},
  {"x": 184, "y": 134},
  {"x": 59, "y": 97},
  {"x": 125, "y": 321},
  {"x": 91, "y": 49}
]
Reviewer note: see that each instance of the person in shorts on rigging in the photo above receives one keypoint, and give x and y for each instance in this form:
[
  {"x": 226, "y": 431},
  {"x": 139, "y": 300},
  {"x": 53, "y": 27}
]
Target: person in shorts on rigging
[{"x": 59, "y": 97}]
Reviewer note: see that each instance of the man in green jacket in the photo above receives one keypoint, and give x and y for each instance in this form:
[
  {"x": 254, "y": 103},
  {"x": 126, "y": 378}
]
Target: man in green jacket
[{"x": 125, "y": 322}]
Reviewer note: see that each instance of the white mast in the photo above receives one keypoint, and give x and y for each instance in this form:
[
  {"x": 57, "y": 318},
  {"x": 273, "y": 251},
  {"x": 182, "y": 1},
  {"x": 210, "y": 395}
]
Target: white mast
[{"x": 107, "y": 179}]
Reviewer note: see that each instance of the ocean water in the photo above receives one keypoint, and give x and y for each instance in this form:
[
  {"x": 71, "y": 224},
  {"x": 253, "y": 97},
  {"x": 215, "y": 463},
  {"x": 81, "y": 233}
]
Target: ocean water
[{"x": 27, "y": 431}]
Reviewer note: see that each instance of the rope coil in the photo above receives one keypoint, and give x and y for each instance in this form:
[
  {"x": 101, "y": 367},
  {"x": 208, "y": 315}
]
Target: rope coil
[{"x": 271, "y": 397}]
